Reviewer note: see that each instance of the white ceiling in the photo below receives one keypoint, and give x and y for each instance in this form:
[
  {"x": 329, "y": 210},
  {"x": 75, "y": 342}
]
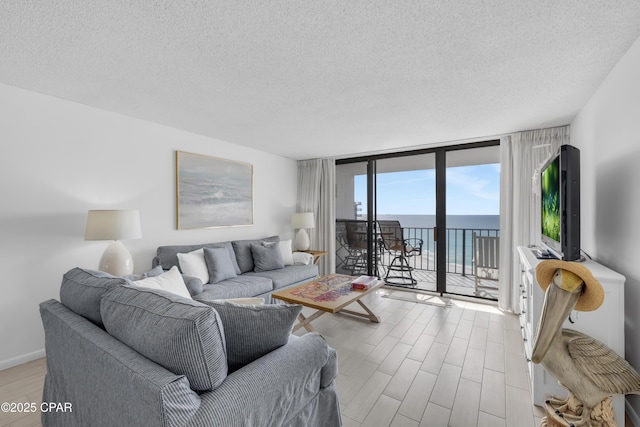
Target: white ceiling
[{"x": 312, "y": 78}]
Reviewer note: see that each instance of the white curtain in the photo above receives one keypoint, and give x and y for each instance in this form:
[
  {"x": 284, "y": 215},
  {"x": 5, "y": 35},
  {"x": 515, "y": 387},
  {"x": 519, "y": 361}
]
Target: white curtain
[
  {"x": 316, "y": 193},
  {"x": 521, "y": 156}
]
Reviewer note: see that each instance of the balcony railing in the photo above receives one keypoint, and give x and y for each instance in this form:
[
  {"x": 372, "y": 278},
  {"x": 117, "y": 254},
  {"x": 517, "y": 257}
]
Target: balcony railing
[{"x": 459, "y": 247}]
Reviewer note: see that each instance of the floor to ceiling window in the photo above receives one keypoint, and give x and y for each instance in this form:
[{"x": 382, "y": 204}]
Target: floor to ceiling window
[
  {"x": 396, "y": 213},
  {"x": 472, "y": 221}
]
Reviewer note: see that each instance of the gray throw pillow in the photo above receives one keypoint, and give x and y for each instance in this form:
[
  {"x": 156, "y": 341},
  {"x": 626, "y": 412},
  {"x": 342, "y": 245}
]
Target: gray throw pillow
[
  {"x": 242, "y": 251},
  {"x": 167, "y": 256},
  {"x": 184, "y": 336},
  {"x": 266, "y": 257},
  {"x": 251, "y": 331},
  {"x": 219, "y": 264}
]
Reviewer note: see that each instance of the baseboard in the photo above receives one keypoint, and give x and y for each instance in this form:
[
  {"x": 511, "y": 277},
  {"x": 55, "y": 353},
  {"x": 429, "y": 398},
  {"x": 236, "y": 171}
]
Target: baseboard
[
  {"x": 633, "y": 416},
  {"x": 19, "y": 360}
]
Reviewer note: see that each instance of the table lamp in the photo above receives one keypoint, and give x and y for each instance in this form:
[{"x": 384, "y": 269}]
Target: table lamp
[
  {"x": 114, "y": 225},
  {"x": 302, "y": 221}
]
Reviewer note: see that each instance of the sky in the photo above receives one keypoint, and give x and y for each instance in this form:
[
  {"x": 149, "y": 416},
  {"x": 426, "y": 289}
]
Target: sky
[{"x": 471, "y": 190}]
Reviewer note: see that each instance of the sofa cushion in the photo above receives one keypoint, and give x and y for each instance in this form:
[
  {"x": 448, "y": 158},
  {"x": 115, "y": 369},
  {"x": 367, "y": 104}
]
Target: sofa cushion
[
  {"x": 182, "y": 335},
  {"x": 193, "y": 264},
  {"x": 82, "y": 289},
  {"x": 167, "y": 256},
  {"x": 242, "y": 249},
  {"x": 239, "y": 287},
  {"x": 170, "y": 281},
  {"x": 287, "y": 276},
  {"x": 251, "y": 331},
  {"x": 219, "y": 264},
  {"x": 266, "y": 257}
]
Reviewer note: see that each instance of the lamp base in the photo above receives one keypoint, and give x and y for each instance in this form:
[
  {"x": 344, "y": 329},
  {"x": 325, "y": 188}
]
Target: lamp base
[
  {"x": 116, "y": 260},
  {"x": 302, "y": 240}
]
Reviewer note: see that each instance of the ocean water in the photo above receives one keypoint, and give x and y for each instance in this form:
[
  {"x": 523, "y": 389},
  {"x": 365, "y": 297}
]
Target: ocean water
[
  {"x": 459, "y": 234},
  {"x": 453, "y": 221}
]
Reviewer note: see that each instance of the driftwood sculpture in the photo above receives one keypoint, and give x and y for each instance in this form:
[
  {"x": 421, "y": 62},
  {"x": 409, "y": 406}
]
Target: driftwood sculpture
[{"x": 590, "y": 370}]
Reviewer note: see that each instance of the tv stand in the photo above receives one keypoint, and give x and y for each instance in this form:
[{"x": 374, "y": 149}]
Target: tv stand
[{"x": 605, "y": 324}]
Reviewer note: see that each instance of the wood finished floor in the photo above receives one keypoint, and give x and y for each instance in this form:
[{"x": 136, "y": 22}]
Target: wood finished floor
[
  {"x": 421, "y": 366},
  {"x": 430, "y": 366},
  {"x": 22, "y": 384}
]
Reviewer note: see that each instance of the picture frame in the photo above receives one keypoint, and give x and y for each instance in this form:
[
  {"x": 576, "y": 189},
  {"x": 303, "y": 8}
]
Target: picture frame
[{"x": 212, "y": 192}]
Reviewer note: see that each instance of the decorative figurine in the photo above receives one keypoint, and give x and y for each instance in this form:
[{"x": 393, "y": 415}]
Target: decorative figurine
[{"x": 590, "y": 370}]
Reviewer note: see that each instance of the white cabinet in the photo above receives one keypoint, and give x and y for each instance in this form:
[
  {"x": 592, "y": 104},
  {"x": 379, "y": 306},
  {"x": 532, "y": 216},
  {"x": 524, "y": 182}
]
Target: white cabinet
[{"x": 605, "y": 324}]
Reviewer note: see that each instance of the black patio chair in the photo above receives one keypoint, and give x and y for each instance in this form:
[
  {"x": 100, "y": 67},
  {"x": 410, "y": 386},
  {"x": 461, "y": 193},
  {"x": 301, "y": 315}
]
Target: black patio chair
[
  {"x": 400, "y": 249},
  {"x": 342, "y": 247},
  {"x": 356, "y": 234}
]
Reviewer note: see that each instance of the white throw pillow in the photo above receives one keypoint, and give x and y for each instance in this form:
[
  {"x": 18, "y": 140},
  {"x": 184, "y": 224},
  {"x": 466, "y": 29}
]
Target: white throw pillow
[
  {"x": 193, "y": 264},
  {"x": 286, "y": 252},
  {"x": 170, "y": 281}
]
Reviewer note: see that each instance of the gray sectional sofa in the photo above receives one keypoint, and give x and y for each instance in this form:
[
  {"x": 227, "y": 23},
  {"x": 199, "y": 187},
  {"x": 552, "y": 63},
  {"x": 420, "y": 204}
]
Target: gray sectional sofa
[
  {"x": 248, "y": 282},
  {"x": 124, "y": 355}
]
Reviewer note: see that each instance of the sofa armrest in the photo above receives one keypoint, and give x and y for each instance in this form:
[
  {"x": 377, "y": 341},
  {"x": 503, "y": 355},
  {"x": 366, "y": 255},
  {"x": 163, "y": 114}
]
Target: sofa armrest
[
  {"x": 330, "y": 369},
  {"x": 275, "y": 388},
  {"x": 303, "y": 258},
  {"x": 106, "y": 382},
  {"x": 194, "y": 285}
]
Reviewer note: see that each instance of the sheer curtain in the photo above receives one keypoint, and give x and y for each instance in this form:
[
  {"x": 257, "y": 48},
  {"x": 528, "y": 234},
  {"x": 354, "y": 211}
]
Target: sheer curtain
[
  {"x": 316, "y": 193},
  {"x": 521, "y": 156}
]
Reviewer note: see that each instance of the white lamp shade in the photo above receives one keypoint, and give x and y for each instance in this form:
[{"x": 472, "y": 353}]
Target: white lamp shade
[
  {"x": 303, "y": 220},
  {"x": 113, "y": 225}
]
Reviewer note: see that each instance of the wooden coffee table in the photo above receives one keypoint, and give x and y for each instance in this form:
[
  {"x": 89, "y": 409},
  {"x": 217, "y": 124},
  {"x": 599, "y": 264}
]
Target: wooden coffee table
[{"x": 328, "y": 294}]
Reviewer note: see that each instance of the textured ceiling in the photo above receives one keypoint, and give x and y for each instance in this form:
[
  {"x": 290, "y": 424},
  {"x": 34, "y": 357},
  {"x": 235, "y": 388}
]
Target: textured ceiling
[{"x": 307, "y": 79}]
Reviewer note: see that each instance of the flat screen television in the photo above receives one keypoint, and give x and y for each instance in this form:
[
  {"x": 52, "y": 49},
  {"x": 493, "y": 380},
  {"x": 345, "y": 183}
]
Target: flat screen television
[{"x": 560, "y": 192}]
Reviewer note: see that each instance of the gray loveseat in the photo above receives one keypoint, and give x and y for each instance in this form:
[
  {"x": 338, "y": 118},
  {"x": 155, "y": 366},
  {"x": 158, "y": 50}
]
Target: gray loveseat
[
  {"x": 122, "y": 355},
  {"x": 248, "y": 282}
]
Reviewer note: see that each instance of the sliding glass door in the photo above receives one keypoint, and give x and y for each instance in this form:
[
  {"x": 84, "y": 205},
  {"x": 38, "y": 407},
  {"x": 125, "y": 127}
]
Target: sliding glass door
[
  {"x": 472, "y": 221},
  {"x": 406, "y": 217}
]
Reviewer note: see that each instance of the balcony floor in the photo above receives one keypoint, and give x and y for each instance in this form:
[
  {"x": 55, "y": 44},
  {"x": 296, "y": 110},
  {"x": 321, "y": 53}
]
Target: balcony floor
[{"x": 456, "y": 283}]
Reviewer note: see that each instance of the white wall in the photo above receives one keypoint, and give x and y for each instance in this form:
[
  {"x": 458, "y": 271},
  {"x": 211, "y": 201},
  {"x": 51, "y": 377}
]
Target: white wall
[
  {"x": 60, "y": 159},
  {"x": 607, "y": 130}
]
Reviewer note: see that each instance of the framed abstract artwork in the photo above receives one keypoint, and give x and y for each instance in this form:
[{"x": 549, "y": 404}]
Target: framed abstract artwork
[{"x": 212, "y": 192}]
